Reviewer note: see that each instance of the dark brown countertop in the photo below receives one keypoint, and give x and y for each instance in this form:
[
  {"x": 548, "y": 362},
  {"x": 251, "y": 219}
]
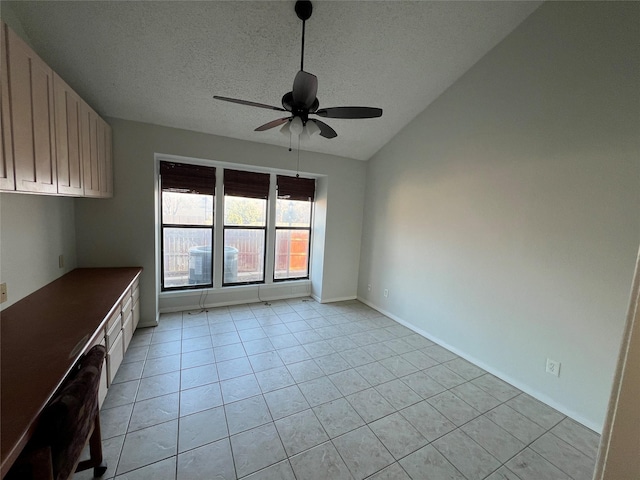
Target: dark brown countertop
[{"x": 42, "y": 336}]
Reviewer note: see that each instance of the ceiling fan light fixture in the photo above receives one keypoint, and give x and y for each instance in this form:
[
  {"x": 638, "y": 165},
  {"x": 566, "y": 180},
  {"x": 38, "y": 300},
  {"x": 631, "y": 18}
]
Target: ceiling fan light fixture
[
  {"x": 296, "y": 126},
  {"x": 286, "y": 129},
  {"x": 304, "y": 136},
  {"x": 312, "y": 128}
]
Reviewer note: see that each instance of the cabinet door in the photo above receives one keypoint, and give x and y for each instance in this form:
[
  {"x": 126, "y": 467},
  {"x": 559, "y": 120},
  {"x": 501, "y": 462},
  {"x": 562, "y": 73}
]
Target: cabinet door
[
  {"x": 105, "y": 158},
  {"x": 89, "y": 139},
  {"x": 68, "y": 146},
  {"x": 32, "y": 119},
  {"x": 7, "y": 180}
]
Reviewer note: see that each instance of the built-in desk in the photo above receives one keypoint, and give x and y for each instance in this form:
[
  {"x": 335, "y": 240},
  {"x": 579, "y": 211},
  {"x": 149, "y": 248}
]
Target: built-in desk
[{"x": 43, "y": 335}]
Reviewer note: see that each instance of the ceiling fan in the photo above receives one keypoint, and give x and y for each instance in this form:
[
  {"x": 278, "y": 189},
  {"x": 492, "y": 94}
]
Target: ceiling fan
[{"x": 301, "y": 101}]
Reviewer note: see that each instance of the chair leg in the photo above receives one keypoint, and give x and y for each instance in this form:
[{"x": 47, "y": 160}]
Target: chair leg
[
  {"x": 95, "y": 441},
  {"x": 95, "y": 448},
  {"x": 95, "y": 451}
]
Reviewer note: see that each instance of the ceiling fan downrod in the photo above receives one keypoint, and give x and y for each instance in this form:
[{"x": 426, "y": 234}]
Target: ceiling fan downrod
[{"x": 303, "y": 10}]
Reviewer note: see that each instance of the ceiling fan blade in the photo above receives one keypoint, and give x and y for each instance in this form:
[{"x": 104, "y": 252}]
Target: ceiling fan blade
[
  {"x": 272, "y": 124},
  {"x": 305, "y": 88},
  {"x": 250, "y": 104},
  {"x": 325, "y": 130},
  {"x": 349, "y": 112}
]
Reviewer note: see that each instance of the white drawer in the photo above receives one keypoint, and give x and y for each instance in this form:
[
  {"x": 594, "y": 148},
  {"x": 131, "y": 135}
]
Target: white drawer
[
  {"x": 127, "y": 330},
  {"x": 126, "y": 307},
  {"x": 114, "y": 357},
  {"x": 102, "y": 391},
  {"x": 112, "y": 333},
  {"x": 136, "y": 315},
  {"x": 113, "y": 319},
  {"x": 127, "y": 295}
]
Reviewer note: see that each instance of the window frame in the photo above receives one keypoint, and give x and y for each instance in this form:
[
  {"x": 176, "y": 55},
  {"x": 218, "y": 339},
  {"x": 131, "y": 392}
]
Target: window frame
[
  {"x": 262, "y": 194},
  {"x": 164, "y": 226},
  {"x": 275, "y": 253},
  {"x": 216, "y": 229}
]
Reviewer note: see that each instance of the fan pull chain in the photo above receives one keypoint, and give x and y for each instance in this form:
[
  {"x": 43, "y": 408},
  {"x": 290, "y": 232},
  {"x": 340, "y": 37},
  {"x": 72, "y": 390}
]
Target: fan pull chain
[
  {"x": 298, "y": 166},
  {"x": 290, "y": 140}
]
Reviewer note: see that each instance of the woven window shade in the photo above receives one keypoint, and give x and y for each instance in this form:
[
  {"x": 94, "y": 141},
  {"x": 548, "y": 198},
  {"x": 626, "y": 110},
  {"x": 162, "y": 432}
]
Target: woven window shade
[
  {"x": 238, "y": 183},
  {"x": 186, "y": 178},
  {"x": 294, "y": 188}
]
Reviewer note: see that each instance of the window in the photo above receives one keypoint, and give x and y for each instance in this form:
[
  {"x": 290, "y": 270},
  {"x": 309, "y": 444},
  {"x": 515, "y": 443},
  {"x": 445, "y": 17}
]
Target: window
[
  {"x": 187, "y": 198},
  {"x": 245, "y": 226},
  {"x": 256, "y": 230},
  {"x": 293, "y": 227}
]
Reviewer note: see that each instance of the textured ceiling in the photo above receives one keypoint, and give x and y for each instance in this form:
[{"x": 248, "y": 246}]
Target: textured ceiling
[{"x": 161, "y": 62}]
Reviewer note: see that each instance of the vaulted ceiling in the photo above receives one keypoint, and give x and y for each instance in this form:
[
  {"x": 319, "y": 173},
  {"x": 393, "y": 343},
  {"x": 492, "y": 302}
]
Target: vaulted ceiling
[{"x": 161, "y": 62}]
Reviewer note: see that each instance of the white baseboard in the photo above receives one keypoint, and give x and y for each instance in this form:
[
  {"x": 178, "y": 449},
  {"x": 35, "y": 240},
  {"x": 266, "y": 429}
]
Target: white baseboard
[
  {"x": 149, "y": 323},
  {"x": 335, "y": 299},
  {"x": 569, "y": 412}
]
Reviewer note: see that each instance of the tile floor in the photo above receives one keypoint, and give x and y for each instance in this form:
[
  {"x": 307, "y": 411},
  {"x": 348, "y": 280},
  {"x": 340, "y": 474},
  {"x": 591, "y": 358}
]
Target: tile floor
[{"x": 300, "y": 390}]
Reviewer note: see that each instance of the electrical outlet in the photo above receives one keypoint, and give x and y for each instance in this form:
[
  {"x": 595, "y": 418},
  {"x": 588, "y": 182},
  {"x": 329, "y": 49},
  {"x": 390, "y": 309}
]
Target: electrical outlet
[
  {"x": 3, "y": 292},
  {"x": 369, "y": 288},
  {"x": 386, "y": 292},
  {"x": 553, "y": 367},
  {"x": 61, "y": 261}
]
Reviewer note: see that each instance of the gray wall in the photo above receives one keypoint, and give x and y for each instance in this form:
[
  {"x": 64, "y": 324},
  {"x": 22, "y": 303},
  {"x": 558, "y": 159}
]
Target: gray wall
[
  {"x": 504, "y": 220},
  {"x": 122, "y": 230},
  {"x": 34, "y": 231}
]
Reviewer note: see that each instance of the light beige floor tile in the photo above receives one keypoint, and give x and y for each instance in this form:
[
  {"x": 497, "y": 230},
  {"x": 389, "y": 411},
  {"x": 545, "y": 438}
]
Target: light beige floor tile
[
  {"x": 148, "y": 445},
  {"x": 213, "y": 460},
  {"x": 320, "y": 463},
  {"x": 427, "y": 420},
  {"x": 363, "y": 453},
  {"x": 392, "y": 472},
  {"x": 300, "y": 431},
  {"x": 466, "y": 455},
  {"x": 528, "y": 465},
  {"x": 338, "y": 417},
  {"x": 370, "y": 405},
  {"x": 158, "y": 385},
  {"x": 201, "y": 428},
  {"x": 428, "y": 463},
  {"x": 285, "y": 401},
  {"x": 256, "y": 449},
  {"x": 558, "y": 452},
  {"x": 452, "y": 407},
  {"x": 398, "y": 435},
  {"x": 279, "y": 471},
  {"x": 239, "y": 388},
  {"x": 578, "y": 436},
  {"x": 247, "y": 414},
  {"x": 198, "y": 376},
  {"x": 398, "y": 394},
  {"x": 536, "y": 411},
  {"x": 497, "y": 441},
  {"x": 162, "y": 470},
  {"x": 516, "y": 424},
  {"x": 200, "y": 398},
  {"x": 154, "y": 411}
]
